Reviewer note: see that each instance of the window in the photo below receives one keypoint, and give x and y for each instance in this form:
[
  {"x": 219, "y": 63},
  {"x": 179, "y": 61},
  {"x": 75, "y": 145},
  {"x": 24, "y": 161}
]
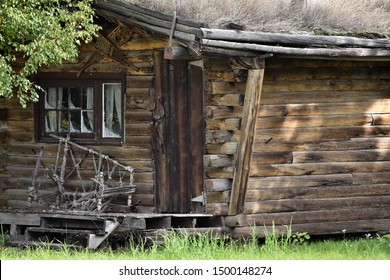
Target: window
[{"x": 89, "y": 108}]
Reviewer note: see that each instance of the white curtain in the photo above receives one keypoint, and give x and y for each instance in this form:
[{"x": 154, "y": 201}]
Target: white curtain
[
  {"x": 50, "y": 103},
  {"x": 112, "y": 110},
  {"x": 87, "y": 113}
]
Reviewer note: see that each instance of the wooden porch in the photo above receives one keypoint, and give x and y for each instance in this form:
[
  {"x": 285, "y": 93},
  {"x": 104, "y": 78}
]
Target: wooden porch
[{"x": 90, "y": 229}]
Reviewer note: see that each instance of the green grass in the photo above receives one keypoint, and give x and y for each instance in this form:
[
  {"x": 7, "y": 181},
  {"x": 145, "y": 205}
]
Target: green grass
[{"x": 201, "y": 247}]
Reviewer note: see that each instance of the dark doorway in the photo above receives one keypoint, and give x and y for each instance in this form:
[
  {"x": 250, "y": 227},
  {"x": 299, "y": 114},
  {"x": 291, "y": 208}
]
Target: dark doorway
[{"x": 179, "y": 136}]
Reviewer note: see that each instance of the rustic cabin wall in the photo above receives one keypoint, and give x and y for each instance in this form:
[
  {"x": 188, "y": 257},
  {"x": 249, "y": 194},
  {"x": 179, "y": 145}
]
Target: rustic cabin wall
[
  {"x": 322, "y": 146},
  {"x": 18, "y": 147}
]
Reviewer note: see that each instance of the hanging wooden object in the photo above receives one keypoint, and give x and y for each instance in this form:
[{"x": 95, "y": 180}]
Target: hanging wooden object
[{"x": 110, "y": 47}]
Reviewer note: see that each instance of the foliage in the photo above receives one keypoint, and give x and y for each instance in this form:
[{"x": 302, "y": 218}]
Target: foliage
[
  {"x": 183, "y": 246},
  {"x": 37, "y": 33}
]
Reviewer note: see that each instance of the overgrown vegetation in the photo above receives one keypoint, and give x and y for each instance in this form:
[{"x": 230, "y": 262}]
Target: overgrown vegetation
[
  {"x": 356, "y": 16},
  {"x": 37, "y": 33},
  {"x": 201, "y": 247}
]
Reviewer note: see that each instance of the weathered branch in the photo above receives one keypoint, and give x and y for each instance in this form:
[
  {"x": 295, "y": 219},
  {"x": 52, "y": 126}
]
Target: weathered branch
[
  {"x": 332, "y": 52},
  {"x": 291, "y": 39}
]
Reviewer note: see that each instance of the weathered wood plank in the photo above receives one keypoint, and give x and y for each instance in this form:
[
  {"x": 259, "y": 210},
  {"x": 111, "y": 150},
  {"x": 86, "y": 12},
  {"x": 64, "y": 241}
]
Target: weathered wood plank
[
  {"x": 320, "y": 133},
  {"x": 216, "y": 185},
  {"x": 317, "y": 168},
  {"x": 308, "y": 73},
  {"x": 343, "y": 227},
  {"x": 224, "y": 100},
  {"x": 324, "y": 120},
  {"x": 229, "y": 148},
  {"x": 305, "y": 86},
  {"x": 248, "y": 128},
  {"x": 263, "y": 37},
  {"x": 328, "y": 96},
  {"x": 272, "y": 158},
  {"x": 342, "y": 156},
  {"x": 342, "y": 52},
  {"x": 380, "y": 106},
  {"x": 305, "y": 217},
  {"x": 273, "y": 193},
  {"x": 293, "y": 205},
  {"x": 363, "y": 143},
  {"x": 218, "y": 160},
  {"x": 224, "y": 124},
  {"x": 300, "y": 181},
  {"x": 218, "y": 197}
]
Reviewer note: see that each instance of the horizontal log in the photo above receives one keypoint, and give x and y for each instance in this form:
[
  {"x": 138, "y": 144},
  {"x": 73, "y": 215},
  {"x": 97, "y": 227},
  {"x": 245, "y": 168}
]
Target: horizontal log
[
  {"x": 324, "y": 120},
  {"x": 282, "y": 192},
  {"x": 294, "y": 205},
  {"x": 302, "y": 73},
  {"x": 218, "y": 161},
  {"x": 224, "y": 100},
  {"x": 344, "y": 227},
  {"x": 331, "y": 52},
  {"x": 217, "y": 209},
  {"x": 317, "y": 168},
  {"x": 207, "y": 51},
  {"x": 320, "y": 133},
  {"x": 291, "y": 87},
  {"x": 361, "y": 143},
  {"x": 125, "y": 5},
  {"x": 342, "y": 156},
  {"x": 229, "y": 148},
  {"x": 138, "y": 116},
  {"x": 222, "y": 112},
  {"x": 139, "y": 81},
  {"x": 371, "y": 178},
  {"x": 300, "y": 181},
  {"x": 272, "y": 158},
  {"x": 291, "y": 39},
  {"x": 145, "y": 25},
  {"x": 283, "y": 62},
  {"x": 217, "y": 185},
  {"x": 380, "y": 106},
  {"x": 219, "y": 173},
  {"x": 221, "y": 136},
  {"x": 224, "y": 124},
  {"x": 218, "y": 197},
  {"x": 307, "y": 217}
]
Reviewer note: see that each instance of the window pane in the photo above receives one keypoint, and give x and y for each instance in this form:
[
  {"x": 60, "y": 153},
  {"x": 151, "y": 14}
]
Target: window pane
[
  {"x": 51, "y": 121},
  {"x": 63, "y": 94},
  {"x": 50, "y": 98},
  {"x": 87, "y": 96},
  {"x": 75, "y": 121},
  {"x": 112, "y": 110},
  {"x": 74, "y": 98},
  {"x": 87, "y": 121},
  {"x": 63, "y": 122}
]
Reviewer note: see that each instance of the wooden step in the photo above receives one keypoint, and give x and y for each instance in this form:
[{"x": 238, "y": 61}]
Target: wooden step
[{"x": 65, "y": 231}]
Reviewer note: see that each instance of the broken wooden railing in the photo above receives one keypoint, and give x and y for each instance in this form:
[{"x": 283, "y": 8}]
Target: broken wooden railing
[{"x": 96, "y": 194}]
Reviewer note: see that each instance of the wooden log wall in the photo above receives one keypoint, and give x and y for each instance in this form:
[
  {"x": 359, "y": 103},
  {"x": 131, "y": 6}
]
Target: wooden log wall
[
  {"x": 322, "y": 150},
  {"x": 17, "y": 158}
]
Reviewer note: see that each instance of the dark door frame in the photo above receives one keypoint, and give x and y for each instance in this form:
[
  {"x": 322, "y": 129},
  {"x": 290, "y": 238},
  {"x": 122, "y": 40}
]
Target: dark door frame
[{"x": 178, "y": 136}]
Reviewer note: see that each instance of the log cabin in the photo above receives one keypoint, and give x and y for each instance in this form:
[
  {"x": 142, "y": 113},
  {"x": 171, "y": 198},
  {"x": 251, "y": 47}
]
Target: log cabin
[{"x": 211, "y": 129}]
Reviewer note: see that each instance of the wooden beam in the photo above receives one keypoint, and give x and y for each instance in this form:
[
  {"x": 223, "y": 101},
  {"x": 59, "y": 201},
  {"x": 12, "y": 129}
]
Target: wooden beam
[
  {"x": 291, "y": 39},
  {"x": 251, "y": 108},
  {"x": 311, "y": 51}
]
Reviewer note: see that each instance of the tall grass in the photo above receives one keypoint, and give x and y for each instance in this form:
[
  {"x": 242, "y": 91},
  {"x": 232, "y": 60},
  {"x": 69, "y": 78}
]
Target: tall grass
[
  {"x": 183, "y": 246},
  {"x": 278, "y": 15}
]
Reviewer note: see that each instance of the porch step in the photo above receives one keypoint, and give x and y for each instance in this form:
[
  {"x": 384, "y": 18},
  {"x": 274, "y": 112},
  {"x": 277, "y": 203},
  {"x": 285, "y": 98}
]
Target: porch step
[{"x": 63, "y": 231}]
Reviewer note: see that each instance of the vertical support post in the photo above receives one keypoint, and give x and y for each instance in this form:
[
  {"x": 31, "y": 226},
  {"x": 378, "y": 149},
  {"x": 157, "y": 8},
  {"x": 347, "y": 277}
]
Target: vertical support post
[{"x": 247, "y": 133}]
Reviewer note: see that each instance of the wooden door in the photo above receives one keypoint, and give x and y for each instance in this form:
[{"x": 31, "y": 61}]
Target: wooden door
[{"x": 179, "y": 136}]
